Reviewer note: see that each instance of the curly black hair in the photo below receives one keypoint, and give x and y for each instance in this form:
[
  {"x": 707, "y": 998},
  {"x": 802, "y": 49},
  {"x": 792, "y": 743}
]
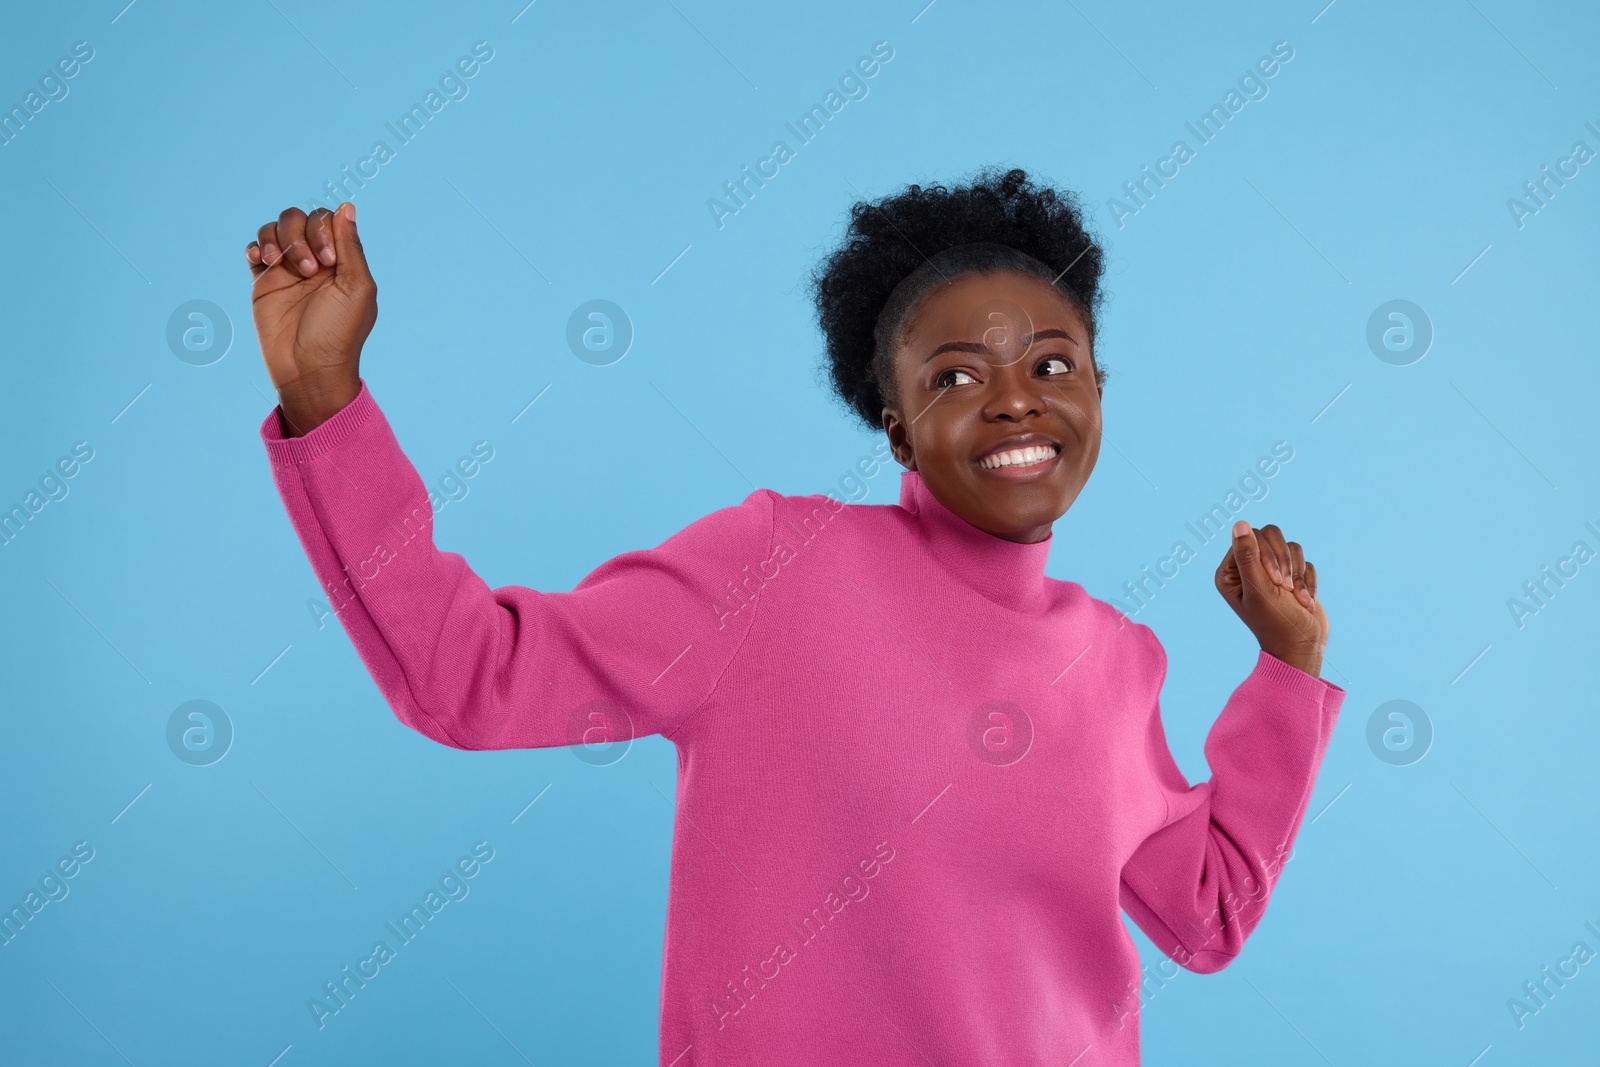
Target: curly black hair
[{"x": 889, "y": 239}]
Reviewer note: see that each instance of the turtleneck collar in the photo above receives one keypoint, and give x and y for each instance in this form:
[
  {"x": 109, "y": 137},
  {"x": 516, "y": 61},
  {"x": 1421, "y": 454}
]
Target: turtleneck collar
[{"x": 1007, "y": 572}]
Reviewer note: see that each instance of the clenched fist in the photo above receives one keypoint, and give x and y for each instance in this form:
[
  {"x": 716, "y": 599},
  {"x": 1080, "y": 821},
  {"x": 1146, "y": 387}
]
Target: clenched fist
[
  {"x": 314, "y": 303},
  {"x": 1273, "y": 588}
]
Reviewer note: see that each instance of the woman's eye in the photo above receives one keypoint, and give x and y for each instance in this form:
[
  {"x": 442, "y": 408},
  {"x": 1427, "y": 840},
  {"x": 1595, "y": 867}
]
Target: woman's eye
[
  {"x": 1066, "y": 364},
  {"x": 944, "y": 380}
]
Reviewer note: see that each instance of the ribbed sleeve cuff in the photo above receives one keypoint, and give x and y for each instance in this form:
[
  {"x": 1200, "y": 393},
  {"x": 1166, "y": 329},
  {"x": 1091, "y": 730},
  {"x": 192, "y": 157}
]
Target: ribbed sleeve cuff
[
  {"x": 1295, "y": 680},
  {"x": 290, "y": 451}
]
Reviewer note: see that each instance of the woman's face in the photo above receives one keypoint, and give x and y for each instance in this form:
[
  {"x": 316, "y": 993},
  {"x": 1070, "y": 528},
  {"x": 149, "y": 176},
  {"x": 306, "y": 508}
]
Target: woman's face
[{"x": 986, "y": 365}]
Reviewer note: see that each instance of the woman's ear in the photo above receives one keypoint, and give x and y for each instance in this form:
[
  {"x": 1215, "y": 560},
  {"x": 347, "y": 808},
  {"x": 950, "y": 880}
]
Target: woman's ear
[{"x": 899, "y": 439}]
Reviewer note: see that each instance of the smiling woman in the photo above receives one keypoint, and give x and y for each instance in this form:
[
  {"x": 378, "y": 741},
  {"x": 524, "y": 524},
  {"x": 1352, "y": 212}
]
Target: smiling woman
[
  {"x": 940, "y": 311},
  {"x": 1005, "y": 430},
  {"x": 854, "y": 700}
]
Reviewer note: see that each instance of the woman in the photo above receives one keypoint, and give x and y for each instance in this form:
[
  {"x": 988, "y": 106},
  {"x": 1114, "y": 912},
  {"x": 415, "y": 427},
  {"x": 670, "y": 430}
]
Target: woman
[{"x": 918, "y": 779}]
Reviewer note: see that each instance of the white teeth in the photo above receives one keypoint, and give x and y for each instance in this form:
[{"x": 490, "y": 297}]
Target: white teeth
[{"x": 1018, "y": 457}]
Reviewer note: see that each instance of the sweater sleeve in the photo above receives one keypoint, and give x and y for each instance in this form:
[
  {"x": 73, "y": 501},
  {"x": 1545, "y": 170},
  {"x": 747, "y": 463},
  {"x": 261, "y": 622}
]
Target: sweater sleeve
[
  {"x": 1198, "y": 885},
  {"x": 636, "y": 648}
]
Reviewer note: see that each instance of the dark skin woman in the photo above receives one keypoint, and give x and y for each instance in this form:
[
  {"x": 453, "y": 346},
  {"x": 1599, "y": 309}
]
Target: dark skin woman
[{"x": 994, "y": 399}]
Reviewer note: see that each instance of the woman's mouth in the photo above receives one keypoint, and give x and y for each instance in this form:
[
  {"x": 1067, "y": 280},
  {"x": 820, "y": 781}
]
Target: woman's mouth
[{"x": 1016, "y": 464}]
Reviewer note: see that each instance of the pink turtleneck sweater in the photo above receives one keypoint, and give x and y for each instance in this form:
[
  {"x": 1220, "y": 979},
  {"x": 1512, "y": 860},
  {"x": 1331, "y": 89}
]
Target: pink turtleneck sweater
[{"x": 918, "y": 779}]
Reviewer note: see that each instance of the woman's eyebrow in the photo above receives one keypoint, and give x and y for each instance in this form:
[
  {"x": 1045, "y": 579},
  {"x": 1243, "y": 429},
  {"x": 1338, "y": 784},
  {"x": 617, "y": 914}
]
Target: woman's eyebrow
[
  {"x": 973, "y": 346},
  {"x": 1042, "y": 334}
]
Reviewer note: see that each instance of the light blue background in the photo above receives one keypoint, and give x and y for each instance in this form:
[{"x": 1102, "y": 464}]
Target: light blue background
[{"x": 579, "y": 167}]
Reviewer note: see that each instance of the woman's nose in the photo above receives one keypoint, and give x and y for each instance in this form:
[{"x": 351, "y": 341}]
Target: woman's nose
[{"x": 1016, "y": 394}]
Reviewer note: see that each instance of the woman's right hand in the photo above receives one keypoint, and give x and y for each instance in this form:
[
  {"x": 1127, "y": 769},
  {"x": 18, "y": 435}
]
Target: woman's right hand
[{"x": 314, "y": 303}]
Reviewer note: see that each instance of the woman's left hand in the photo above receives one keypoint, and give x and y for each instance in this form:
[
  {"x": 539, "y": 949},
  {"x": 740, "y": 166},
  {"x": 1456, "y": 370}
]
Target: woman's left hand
[{"x": 1269, "y": 584}]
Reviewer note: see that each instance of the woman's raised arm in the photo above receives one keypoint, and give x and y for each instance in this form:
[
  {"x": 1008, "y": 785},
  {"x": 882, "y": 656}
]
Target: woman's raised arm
[
  {"x": 647, "y": 633},
  {"x": 636, "y": 648},
  {"x": 1199, "y": 884}
]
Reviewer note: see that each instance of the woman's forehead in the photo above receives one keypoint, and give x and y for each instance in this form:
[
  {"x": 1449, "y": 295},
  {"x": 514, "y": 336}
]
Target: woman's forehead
[{"x": 1003, "y": 309}]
